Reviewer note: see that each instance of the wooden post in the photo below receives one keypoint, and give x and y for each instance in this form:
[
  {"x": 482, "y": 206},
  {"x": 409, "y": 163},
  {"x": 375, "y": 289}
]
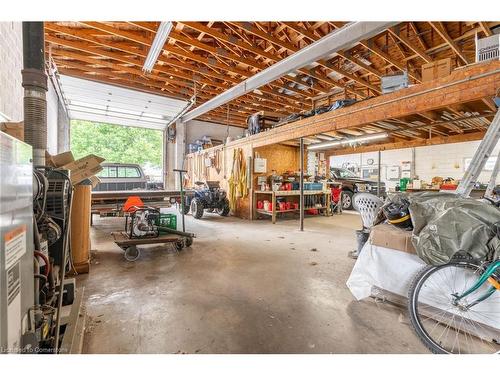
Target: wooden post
[
  {"x": 80, "y": 228},
  {"x": 301, "y": 184},
  {"x": 378, "y": 174},
  {"x": 273, "y": 205}
]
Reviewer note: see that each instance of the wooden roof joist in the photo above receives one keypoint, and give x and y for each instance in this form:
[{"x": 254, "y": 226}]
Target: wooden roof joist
[
  {"x": 214, "y": 56},
  {"x": 317, "y": 50},
  {"x": 196, "y": 73},
  {"x": 65, "y": 54},
  {"x": 191, "y": 56}
]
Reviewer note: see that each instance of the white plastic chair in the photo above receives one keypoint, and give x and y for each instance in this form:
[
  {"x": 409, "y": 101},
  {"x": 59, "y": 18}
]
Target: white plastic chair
[{"x": 368, "y": 205}]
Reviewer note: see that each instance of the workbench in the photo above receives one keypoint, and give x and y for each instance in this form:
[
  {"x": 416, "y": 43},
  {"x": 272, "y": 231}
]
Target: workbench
[
  {"x": 111, "y": 202},
  {"x": 291, "y": 193}
]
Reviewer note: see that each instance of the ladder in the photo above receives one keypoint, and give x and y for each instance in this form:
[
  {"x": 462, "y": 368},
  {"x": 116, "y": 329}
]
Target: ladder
[
  {"x": 491, "y": 185},
  {"x": 479, "y": 159}
]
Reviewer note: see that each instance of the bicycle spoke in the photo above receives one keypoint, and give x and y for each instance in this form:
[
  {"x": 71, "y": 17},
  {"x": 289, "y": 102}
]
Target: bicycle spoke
[
  {"x": 447, "y": 330},
  {"x": 480, "y": 331},
  {"x": 448, "y": 322}
]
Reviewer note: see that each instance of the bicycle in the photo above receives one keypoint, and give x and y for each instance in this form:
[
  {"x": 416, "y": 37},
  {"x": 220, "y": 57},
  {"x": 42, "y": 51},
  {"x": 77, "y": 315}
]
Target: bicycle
[
  {"x": 455, "y": 308},
  {"x": 459, "y": 316}
]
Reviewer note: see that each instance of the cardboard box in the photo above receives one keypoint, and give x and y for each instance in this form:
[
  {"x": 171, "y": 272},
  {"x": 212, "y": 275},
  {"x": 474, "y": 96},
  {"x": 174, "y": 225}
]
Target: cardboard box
[
  {"x": 436, "y": 69},
  {"x": 81, "y": 169},
  {"x": 60, "y": 159},
  {"x": 14, "y": 129},
  {"x": 94, "y": 181},
  {"x": 387, "y": 235}
]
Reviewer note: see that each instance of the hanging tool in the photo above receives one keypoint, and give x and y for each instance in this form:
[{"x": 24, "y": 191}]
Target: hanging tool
[{"x": 238, "y": 181}]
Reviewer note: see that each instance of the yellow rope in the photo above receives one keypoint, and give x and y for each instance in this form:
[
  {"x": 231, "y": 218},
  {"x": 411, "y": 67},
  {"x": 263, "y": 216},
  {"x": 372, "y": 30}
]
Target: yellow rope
[{"x": 238, "y": 180}]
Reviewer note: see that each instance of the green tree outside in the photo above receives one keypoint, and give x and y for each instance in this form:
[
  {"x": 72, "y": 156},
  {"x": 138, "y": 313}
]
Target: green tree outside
[{"x": 117, "y": 144}]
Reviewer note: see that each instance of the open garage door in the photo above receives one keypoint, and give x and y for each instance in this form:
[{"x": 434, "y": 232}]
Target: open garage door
[
  {"x": 104, "y": 105},
  {"x": 99, "y": 102}
]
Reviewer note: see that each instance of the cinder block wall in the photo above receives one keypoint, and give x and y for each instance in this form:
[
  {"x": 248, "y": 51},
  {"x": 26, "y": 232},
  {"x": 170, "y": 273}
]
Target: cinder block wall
[
  {"x": 439, "y": 160},
  {"x": 11, "y": 63}
]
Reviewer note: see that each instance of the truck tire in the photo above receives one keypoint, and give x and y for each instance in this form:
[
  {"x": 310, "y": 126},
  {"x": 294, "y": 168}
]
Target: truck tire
[
  {"x": 197, "y": 208},
  {"x": 224, "y": 211},
  {"x": 347, "y": 200}
]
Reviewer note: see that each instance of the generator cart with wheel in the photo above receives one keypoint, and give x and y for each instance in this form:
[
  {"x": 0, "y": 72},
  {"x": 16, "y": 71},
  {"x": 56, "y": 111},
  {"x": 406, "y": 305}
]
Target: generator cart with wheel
[{"x": 146, "y": 225}]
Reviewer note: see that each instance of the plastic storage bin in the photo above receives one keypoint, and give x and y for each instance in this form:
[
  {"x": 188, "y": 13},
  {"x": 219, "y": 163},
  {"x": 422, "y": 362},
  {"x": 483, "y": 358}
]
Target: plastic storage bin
[
  {"x": 167, "y": 220},
  {"x": 313, "y": 186}
]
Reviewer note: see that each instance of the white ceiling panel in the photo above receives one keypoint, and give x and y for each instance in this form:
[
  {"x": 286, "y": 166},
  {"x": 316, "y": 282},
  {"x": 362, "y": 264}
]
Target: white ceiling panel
[{"x": 100, "y": 102}]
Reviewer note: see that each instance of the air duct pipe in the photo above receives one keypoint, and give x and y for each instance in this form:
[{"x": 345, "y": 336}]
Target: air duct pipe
[{"x": 35, "y": 90}]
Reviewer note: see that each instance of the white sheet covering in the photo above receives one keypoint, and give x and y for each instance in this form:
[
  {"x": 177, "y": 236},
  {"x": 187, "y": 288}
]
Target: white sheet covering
[
  {"x": 388, "y": 269},
  {"x": 394, "y": 270}
]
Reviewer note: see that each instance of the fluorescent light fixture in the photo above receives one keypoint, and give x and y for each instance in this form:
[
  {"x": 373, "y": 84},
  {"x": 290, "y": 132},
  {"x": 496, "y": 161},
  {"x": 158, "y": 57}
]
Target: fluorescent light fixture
[
  {"x": 157, "y": 45},
  {"x": 348, "y": 141}
]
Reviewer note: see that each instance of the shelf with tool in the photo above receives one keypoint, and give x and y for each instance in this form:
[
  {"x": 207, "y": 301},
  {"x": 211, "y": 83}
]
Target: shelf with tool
[
  {"x": 281, "y": 202},
  {"x": 276, "y": 185}
]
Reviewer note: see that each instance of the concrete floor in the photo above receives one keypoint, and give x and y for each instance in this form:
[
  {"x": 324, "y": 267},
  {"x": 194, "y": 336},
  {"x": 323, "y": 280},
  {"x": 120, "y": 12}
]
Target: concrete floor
[{"x": 243, "y": 287}]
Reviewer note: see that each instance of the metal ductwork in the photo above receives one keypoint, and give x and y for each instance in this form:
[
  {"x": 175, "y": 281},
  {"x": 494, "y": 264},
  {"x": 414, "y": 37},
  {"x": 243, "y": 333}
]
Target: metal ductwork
[{"x": 35, "y": 90}]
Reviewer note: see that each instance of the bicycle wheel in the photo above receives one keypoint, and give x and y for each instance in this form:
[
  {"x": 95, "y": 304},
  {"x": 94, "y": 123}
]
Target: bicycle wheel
[{"x": 445, "y": 326}]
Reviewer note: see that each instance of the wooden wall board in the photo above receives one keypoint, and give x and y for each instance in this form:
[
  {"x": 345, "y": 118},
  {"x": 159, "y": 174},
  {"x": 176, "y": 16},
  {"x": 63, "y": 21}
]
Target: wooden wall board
[{"x": 471, "y": 83}]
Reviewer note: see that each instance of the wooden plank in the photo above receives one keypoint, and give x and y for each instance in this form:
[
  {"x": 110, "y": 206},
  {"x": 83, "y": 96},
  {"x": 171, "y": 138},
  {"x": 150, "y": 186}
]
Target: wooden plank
[
  {"x": 347, "y": 55},
  {"x": 292, "y": 48},
  {"x": 441, "y": 30},
  {"x": 261, "y": 52},
  {"x": 220, "y": 52},
  {"x": 463, "y": 85},
  {"x": 301, "y": 30},
  {"x": 417, "y": 35},
  {"x": 370, "y": 45},
  {"x": 487, "y": 31},
  {"x": 396, "y": 32},
  {"x": 196, "y": 70}
]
